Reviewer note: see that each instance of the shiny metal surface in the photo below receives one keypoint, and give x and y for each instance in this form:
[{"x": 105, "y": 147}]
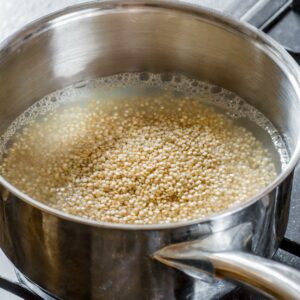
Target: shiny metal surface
[
  {"x": 79, "y": 259},
  {"x": 16, "y": 14},
  {"x": 218, "y": 254}
]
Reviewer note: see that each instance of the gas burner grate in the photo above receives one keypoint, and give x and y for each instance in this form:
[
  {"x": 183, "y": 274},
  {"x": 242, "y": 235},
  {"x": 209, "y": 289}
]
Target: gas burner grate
[{"x": 281, "y": 20}]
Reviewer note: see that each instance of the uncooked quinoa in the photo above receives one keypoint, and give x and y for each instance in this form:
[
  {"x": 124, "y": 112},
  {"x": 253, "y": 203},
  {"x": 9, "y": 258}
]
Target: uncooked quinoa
[{"x": 138, "y": 160}]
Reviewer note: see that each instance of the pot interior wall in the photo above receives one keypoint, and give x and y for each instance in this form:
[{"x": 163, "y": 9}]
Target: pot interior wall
[{"x": 98, "y": 42}]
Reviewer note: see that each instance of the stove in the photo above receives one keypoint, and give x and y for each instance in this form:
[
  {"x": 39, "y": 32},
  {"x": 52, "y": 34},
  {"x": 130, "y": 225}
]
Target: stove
[{"x": 278, "y": 18}]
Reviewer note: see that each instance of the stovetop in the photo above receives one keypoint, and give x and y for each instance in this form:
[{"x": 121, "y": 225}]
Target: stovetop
[{"x": 278, "y": 18}]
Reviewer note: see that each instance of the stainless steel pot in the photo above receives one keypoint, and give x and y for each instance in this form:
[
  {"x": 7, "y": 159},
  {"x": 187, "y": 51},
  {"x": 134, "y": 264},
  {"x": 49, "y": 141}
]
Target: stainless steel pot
[{"x": 81, "y": 259}]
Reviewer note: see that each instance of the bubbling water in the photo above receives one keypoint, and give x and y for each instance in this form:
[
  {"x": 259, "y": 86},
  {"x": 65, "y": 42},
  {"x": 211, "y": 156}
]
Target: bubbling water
[{"x": 142, "y": 112}]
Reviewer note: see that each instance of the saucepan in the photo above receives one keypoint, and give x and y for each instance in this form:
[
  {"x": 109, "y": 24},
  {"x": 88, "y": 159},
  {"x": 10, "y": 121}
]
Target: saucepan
[{"x": 75, "y": 258}]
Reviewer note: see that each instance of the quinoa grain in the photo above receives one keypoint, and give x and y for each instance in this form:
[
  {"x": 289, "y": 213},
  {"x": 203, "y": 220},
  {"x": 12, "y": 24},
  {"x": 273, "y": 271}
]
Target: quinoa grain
[{"x": 138, "y": 161}]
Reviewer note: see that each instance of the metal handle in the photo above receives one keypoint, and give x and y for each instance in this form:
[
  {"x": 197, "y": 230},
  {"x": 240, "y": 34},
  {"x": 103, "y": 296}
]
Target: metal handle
[
  {"x": 18, "y": 289},
  {"x": 270, "y": 277}
]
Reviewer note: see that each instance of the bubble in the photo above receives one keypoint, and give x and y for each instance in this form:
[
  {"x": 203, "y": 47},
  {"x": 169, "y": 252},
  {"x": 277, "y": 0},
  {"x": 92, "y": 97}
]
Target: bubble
[
  {"x": 144, "y": 76},
  {"x": 215, "y": 89},
  {"x": 166, "y": 77},
  {"x": 230, "y": 96},
  {"x": 80, "y": 84},
  {"x": 195, "y": 83},
  {"x": 177, "y": 78}
]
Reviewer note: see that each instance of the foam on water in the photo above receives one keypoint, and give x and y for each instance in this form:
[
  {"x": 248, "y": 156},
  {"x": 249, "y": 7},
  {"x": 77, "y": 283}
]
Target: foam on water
[{"x": 127, "y": 84}]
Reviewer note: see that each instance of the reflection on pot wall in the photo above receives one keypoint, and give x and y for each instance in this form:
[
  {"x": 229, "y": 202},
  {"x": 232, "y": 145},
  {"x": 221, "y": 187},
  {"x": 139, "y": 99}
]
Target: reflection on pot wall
[{"x": 116, "y": 263}]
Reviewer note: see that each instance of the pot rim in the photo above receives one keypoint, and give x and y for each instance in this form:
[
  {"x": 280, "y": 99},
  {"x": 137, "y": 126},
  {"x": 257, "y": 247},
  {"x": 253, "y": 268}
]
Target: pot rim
[{"x": 264, "y": 42}]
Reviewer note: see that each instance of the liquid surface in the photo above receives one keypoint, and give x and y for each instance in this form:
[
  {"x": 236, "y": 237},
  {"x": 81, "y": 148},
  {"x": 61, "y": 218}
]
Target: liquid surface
[{"x": 142, "y": 148}]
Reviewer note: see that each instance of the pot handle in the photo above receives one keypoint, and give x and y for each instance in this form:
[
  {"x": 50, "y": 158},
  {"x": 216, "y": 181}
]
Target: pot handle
[
  {"x": 18, "y": 289},
  {"x": 270, "y": 277}
]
